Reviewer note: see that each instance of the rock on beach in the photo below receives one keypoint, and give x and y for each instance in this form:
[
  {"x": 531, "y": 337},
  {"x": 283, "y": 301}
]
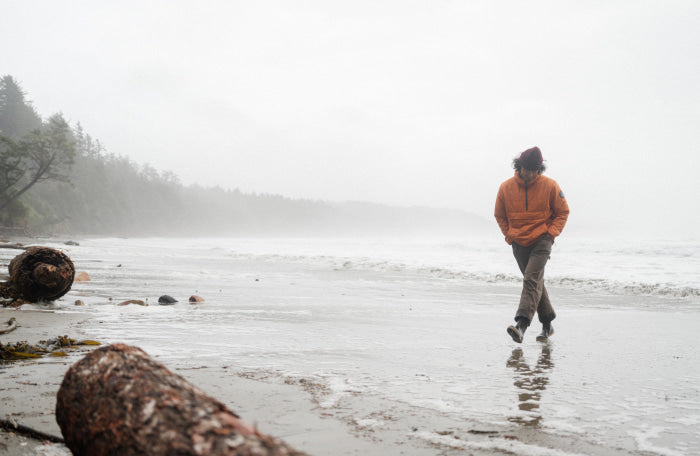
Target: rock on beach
[
  {"x": 82, "y": 277},
  {"x": 133, "y": 301},
  {"x": 166, "y": 300}
]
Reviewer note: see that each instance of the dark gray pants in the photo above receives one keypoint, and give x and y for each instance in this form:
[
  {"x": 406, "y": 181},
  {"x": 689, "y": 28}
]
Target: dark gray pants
[{"x": 531, "y": 261}]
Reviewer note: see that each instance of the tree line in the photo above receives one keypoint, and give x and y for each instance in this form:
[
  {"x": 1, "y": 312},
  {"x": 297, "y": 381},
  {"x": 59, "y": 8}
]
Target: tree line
[{"x": 57, "y": 179}]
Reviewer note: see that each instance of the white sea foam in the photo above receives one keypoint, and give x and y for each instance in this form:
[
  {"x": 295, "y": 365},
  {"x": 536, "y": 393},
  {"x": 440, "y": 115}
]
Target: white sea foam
[
  {"x": 689, "y": 420},
  {"x": 662, "y": 269},
  {"x": 498, "y": 444},
  {"x": 646, "y": 434},
  {"x": 369, "y": 423},
  {"x": 565, "y": 426},
  {"x": 337, "y": 389}
]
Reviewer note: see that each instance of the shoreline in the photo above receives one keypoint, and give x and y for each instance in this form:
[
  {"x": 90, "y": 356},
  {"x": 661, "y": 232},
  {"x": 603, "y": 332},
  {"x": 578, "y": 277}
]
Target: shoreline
[{"x": 292, "y": 409}]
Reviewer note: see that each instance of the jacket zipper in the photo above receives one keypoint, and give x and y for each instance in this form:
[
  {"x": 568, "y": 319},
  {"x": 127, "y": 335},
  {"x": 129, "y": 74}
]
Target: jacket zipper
[{"x": 526, "y": 197}]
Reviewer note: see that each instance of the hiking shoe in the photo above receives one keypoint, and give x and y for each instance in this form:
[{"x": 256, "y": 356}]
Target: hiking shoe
[
  {"x": 547, "y": 332},
  {"x": 517, "y": 332}
]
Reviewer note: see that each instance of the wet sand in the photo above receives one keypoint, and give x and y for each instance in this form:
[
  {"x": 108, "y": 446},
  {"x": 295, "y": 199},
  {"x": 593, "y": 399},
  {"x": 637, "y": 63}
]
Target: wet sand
[
  {"x": 286, "y": 410},
  {"x": 28, "y": 388},
  {"x": 294, "y": 410},
  {"x": 28, "y": 397}
]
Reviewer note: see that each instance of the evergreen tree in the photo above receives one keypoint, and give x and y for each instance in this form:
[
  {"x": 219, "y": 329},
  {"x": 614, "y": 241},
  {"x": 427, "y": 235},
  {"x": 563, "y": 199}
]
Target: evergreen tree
[
  {"x": 17, "y": 116},
  {"x": 43, "y": 154},
  {"x": 86, "y": 190}
]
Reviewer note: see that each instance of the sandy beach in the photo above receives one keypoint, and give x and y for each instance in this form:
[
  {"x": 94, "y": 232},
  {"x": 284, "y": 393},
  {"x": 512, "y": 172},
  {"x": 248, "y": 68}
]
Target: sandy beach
[
  {"x": 350, "y": 356},
  {"x": 28, "y": 397},
  {"x": 28, "y": 388},
  {"x": 292, "y": 409},
  {"x": 287, "y": 410}
]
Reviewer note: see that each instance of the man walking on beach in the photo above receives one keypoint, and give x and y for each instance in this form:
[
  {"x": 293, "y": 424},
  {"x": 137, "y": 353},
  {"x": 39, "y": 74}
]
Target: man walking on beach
[{"x": 531, "y": 211}]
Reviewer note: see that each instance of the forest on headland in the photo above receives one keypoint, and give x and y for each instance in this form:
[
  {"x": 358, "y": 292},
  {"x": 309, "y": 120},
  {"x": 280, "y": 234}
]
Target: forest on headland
[{"x": 57, "y": 179}]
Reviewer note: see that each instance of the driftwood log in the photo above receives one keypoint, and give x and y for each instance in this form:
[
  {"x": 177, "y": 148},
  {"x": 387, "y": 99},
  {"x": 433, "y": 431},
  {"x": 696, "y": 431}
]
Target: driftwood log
[
  {"x": 39, "y": 274},
  {"x": 117, "y": 401}
]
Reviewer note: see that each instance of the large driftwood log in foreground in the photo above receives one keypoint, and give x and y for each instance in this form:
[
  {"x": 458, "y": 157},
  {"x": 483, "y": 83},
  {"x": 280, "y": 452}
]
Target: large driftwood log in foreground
[
  {"x": 118, "y": 401},
  {"x": 39, "y": 274}
]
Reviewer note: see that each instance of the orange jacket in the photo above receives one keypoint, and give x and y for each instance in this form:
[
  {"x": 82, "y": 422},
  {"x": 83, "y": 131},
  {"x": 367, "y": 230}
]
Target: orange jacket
[{"x": 526, "y": 211}]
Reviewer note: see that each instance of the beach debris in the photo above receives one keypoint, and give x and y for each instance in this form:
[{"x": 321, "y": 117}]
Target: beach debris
[
  {"x": 195, "y": 299},
  {"x": 133, "y": 301},
  {"x": 166, "y": 300},
  {"x": 52, "y": 347},
  {"x": 8, "y": 326},
  {"x": 79, "y": 302},
  {"x": 119, "y": 400},
  {"x": 82, "y": 277},
  {"x": 39, "y": 274}
]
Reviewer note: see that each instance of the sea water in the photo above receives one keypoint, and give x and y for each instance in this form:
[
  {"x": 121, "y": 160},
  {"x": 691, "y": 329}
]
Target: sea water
[{"x": 421, "y": 323}]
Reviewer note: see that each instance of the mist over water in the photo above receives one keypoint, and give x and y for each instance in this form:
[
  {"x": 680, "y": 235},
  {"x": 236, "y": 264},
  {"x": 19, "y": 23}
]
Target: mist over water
[{"x": 395, "y": 103}]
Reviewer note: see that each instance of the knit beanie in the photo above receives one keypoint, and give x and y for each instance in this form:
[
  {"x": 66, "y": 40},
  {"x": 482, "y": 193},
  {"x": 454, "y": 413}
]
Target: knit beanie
[{"x": 531, "y": 159}]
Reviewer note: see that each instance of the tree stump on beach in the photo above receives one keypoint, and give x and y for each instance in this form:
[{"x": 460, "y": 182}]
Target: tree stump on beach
[
  {"x": 118, "y": 400},
  {"x": 39, "y": 274}
]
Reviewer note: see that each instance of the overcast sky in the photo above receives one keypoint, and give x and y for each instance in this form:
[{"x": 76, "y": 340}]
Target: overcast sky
[{"x": 397, "y": 102}]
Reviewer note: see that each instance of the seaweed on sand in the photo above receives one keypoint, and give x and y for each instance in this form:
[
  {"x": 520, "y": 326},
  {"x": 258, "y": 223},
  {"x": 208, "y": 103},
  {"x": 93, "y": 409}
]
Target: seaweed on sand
[{"x": 52, "y": 347}]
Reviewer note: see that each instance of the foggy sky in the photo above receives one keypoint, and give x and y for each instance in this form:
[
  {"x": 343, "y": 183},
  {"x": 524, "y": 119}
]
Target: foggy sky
[{"x": 397, "y": 102}]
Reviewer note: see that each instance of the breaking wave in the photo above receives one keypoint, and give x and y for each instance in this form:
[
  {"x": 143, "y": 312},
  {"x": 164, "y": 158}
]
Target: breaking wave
[{"x": 574, "y": 283}]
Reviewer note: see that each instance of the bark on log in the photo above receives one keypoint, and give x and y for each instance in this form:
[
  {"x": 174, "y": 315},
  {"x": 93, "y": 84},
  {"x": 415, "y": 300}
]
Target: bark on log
[
  {"x": 39, "y": 274},
  {"x": 118, "y": 401}
]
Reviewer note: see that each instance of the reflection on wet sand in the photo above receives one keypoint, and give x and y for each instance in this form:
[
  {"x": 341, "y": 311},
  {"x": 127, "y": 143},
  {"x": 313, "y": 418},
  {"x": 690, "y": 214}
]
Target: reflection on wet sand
[{"x": 530, "y": 383}]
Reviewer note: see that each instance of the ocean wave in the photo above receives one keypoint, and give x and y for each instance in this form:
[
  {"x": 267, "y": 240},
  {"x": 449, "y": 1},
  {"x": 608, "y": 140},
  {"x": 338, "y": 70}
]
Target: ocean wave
[
  {"x": 633, "y": 288},
  {"x": 453, "y": 272},
  {"x": 574, "y": 283},
  {"x": 490, "y": 444}
]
